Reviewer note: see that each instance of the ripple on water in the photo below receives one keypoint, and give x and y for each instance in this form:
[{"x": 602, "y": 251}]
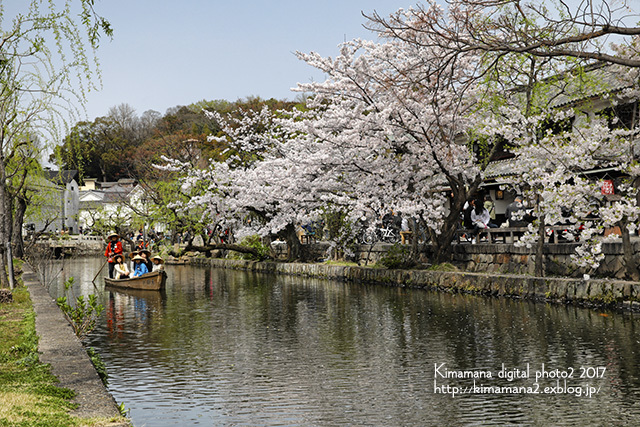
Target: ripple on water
[{"x": 232, "y": 348}]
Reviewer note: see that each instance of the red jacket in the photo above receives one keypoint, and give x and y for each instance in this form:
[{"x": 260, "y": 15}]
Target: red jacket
[{"x": 116, "y": 250}]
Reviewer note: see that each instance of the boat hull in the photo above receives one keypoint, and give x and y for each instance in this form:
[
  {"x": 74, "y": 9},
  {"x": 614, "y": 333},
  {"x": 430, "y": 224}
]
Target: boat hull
[{"x": 150, "y": 282}]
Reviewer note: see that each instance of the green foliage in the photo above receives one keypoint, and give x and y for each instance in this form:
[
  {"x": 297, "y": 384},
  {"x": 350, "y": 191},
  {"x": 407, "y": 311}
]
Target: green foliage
[
  {"x": 98, "y": 363},
  {"x": 334, "y": 218},
  {"x": 398, "y": 257},
  {"x": 445, "y": 266},
  {"x": 123, "y": 410},
  {"x": 82, "y": 316},
  {"x": 255, "y": 242}
]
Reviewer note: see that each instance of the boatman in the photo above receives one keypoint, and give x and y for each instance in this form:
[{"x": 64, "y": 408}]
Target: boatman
[{"x": 114, "y": 247}]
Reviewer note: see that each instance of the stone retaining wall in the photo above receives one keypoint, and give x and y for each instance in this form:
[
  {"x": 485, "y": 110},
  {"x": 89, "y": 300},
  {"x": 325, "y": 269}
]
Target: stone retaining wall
[
  {"x": 59, "y": 347},
  {"x": 508, "y": 258},
  {"x": 504, "y": 258},
  {"x": 566, "y": 290}
]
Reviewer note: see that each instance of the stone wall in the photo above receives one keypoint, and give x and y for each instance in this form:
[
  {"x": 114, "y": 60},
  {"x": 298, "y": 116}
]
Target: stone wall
[
  {"x": 508, "y": 258},
  {"x": 565, "y": 290},
  {"x": 498, "y": 258}
]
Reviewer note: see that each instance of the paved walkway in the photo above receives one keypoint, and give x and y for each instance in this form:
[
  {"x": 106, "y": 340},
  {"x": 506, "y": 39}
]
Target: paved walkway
[{"x": 59, "y": 347}]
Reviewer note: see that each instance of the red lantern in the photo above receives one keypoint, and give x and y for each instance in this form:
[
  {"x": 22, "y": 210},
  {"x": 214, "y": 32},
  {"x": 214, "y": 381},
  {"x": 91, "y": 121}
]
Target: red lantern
[{"x": 607, "y": 186}]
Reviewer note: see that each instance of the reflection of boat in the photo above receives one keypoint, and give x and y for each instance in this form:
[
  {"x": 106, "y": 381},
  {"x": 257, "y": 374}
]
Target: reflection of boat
[
  {"x": 153, "y": 297},
  {"x": 150, "y": 281}
]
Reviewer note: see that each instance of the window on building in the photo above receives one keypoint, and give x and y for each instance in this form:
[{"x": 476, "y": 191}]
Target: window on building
[{"x": 623, "y": 116}]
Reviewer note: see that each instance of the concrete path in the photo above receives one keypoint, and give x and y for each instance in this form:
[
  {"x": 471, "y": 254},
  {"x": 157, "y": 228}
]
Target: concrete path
[{"x": 59, "y": 347}]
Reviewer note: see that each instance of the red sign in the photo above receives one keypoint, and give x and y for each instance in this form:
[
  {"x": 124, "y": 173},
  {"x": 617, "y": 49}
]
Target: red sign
[{"x": 607, "y": 186}]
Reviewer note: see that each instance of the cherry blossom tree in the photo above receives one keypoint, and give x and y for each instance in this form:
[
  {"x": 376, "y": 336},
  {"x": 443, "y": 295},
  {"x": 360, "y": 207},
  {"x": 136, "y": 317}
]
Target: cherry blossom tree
[
  {"x": 389, "y": 127},
  {"x": 394, "y": 123},
  {"x": 534, "y": 55}
]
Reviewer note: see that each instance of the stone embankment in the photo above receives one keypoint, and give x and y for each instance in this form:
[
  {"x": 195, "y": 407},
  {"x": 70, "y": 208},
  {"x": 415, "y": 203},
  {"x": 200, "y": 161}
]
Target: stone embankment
[
  {"x": 59, "y": 347},
  {"x": 565, "y": 290}
]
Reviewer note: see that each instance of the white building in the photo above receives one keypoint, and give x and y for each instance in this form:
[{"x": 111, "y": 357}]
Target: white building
[{"x": 59, "y": 202}]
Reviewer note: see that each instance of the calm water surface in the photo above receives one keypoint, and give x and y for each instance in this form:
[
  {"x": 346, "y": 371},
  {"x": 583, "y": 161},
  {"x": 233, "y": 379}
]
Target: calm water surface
[{"x": 231, "y": 348}]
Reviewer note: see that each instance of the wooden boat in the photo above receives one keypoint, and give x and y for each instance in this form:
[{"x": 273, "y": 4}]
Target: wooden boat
[{"x": 150, "y": 281}]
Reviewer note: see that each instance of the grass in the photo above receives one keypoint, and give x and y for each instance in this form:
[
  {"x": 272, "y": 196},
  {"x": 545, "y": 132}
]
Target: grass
[
  {"x": 28, "y": 392},
  {"x": 341, "y": 263},
  {"x": 445, "y": 266}
]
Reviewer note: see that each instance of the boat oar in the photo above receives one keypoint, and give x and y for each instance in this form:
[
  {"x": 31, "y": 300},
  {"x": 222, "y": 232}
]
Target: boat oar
[{"x": 96, "y": 276}]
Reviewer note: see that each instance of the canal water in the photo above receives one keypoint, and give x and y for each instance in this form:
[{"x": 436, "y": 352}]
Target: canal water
[{"x": 222, "y": 347}]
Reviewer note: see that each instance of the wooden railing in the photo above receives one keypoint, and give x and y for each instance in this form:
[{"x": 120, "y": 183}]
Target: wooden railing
[{"x": 509, "y": 234}]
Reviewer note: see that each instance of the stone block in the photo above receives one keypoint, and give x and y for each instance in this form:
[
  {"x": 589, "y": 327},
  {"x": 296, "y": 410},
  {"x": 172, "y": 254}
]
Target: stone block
[
  {"x": 618, "y": 290},
  {"x": 582, "y": 290},
  {"x": 568, "y": 290},
  {"x": 597, "y": 290}
]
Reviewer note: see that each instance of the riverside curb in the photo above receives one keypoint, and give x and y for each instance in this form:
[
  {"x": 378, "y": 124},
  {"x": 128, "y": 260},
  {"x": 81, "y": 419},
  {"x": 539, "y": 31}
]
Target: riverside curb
[
  {"x": 593, "y": 293},
  {"x": 59, "y": 347}
]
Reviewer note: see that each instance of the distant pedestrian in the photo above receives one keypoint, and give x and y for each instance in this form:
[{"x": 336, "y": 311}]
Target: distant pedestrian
[
  {"x": 405, "y": 229},
  {"x": 480, "y": 219},
  {"x": 490, "y": 207}
]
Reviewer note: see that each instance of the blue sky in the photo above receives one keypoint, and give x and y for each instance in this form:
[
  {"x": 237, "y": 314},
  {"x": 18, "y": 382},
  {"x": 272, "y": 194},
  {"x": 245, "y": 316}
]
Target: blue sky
[{"x": 168, "y": 53}]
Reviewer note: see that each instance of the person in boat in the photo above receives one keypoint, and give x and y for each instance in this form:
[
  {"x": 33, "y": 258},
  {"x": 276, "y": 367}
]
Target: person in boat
[
  {"x": 140, "y": 267},
  {"x": 132, "y": 255},
  {"x": 147, "y": 258},
  {"x": 122, "y": 271},
  {"x": 114, "y": 247},
  {"x": 158, "y": 263}
]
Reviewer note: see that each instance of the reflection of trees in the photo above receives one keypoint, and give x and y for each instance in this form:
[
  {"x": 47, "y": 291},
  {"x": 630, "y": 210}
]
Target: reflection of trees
[{"x": 238, "y": 337}]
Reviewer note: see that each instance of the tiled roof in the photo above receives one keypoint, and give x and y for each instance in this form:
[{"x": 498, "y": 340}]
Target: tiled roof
[{"x": 61, "y": 177}]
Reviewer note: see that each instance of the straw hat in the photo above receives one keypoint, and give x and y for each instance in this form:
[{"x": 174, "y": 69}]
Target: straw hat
[
  {"x": 145, "y": 252},
  {"x": 112, "y": 234},
  {"x": 160, "y": 260},
  {"x": 132, "y": 254},
  {"x": 138, "y": 257},
  {"x": 118, "y": 256}
]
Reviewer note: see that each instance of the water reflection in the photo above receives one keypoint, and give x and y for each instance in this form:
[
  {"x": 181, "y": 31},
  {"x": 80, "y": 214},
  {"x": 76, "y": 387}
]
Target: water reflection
[{"x": 232, "y": 348}]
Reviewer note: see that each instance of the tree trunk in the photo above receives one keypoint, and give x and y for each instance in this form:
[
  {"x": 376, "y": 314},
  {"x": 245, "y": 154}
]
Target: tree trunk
[
  {"x": 18, "y": 220},
  {"x": 444, "y": 243},
  {"x": 296, "y": 250},
  {"x": 628, "y": 258},
  {"x": 539, "y": 264},
  {"x": 223, "y": 246},
  {"x": 415, "y": 247},
  {"x": 5, "y": 236}
]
